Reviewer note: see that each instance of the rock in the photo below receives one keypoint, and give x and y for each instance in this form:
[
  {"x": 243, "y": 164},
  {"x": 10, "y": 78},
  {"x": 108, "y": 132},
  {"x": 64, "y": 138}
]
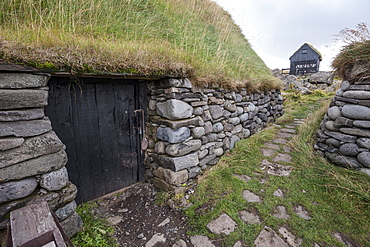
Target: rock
[
  {"x": 54, "y": 180},
  {"x": 173, "y": 136},
  {"x": 361, "y": 124},
  {"x": 357, "y": 112},
  {"x": 22, "y": 80},
  {"x": 218, "y": 127},
  {"x": 31, "y": 148},
  {"x": 364, "y": 159},
  {"x": 212, "y": 137},
  {"x": 208, "y": 127},
  {"x": 246, "y": 133},
  {"x": 342, "y": 121},
  {"x": 65, "y": 211},
  {"x": 357, "y": 94},
  {"x": 356, "y": 132},
  {"x": 249, "y": 218},
  {"x": 275, "y": 169},
  {"x": 159, "y": 147},
  {"x": 157, "y": 239},
  {"x": 171, "y": 82},
  {"x": 322, "y": 77},
  {"x": 206, "y": 160},
  {"x": 234, "y": 139},
  {"x": 216, "y": 111},
  {"x": 194, "y": 171},
  {"x": 174, "y": 109},
  {"x": 349, "y": 149},
  {"x": 230, "y": 106},
  {"x": 15, "y": 99},
  {"x": 340, "y": 136},
  {"x": 222, "y": 225},
  {"x": 25, "y": 128},
  {"x": 278, "y": 193},
  {"x": 363, "y": 142},
  {"x": 218, "y": 151},
  {"x": 171, "y": 177},
  {"x": 72, "y": 225},
  {"x": 302, "y": 213},
  {"x": 281, "y": 213},
  {"x": 365, "y": 170},
  {"x": 290, "y": 238},
  {"x": 250, "y": 196},
  {"x": 234, "y": 120},
  {"x": 10, "y": 142},
  {"x": 180, "y": 243},
  {"x": 345, "y": 85},
  {"x": 198, "y": 111},
  {"x": 244, "y": 117},
  {"x": 282, "y": 157},
  {"x": 176, "y": 124},
  {"x": 36, "y": 166},
  {"x": 19, "y": 115},
  {"x": 17, "y": 189},
  {"x": 334, "y": 112},
  {"x": 114, "y": 220},
  {"x": 181, "y": 149},
  {"x": 206, "y": 115},
  {"x": 177, "y": 163},
  {"x": 330, "y": 126},
  {"x": 197, "y": 132},
  {"x": 201, "y": 241},
  {"x": 348, "y": 162},
  {"x": 268, "y": 238}
]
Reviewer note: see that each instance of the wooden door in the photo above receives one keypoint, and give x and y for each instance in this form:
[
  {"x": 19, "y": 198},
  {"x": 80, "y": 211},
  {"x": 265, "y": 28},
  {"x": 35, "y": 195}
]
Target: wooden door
[{"x": 100, "y": 121}]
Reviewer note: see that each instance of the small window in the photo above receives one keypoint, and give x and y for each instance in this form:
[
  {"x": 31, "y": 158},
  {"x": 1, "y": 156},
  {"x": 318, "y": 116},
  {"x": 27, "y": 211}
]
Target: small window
[{"x": 304, "y": 51}]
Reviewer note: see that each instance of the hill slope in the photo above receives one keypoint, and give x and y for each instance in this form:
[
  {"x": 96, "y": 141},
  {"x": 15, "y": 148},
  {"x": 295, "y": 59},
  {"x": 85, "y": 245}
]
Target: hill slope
[{"x": 193, "y": 38}]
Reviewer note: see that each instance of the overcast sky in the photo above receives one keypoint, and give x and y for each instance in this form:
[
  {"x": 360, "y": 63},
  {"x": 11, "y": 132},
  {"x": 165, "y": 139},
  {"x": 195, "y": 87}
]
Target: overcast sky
[{"x": 277, "y": 28}]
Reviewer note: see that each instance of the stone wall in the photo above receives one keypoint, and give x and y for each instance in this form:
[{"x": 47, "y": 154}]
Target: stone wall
[
  {"x": 32, "y": 157},
  {"x": 189, "y": 129},
  {"x": 344, "y": 134}
]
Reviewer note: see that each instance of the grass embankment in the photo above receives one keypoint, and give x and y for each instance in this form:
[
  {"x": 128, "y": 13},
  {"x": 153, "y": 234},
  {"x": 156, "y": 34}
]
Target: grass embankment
[
  {"x": 337, "y": 199},
  {"x": 193, "y": 38}
]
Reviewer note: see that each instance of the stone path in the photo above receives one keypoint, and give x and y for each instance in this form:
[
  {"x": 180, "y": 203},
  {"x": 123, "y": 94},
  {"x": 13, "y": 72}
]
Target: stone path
[{"x": 278, "y": 151}]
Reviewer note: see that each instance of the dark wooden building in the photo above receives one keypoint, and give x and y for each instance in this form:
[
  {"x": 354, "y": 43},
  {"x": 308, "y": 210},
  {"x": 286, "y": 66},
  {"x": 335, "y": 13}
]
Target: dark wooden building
[{"x": 305, "y": 60}]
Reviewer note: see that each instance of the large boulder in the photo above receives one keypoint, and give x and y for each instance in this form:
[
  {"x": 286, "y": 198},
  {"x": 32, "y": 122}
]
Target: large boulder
[{"x": 322, "y": 77}]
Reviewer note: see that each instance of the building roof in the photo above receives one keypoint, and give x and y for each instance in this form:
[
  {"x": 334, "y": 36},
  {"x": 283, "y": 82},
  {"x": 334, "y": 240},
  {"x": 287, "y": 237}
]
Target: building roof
[{"x": 309, "y": 45}]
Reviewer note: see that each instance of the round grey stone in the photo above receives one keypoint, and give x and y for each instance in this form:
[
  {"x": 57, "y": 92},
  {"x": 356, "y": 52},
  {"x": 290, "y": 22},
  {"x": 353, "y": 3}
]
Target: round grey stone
[
  {"x": 54, "y": 180},
  {"x": 244, "y": 117},
  {"x": 218, "y": 127},
  {"x": 65, "y": 211},
  {"x": 17, "y": 189},
  {"x": 218, "y": 151},
  {"x": 357, "y": 112},
  {"x": 229, "y": 106},
  {"x": 198, "y": 132},
  {"x": 333, "y": 142},
  {"x": 345, "y": 85},
  {"x": 246, "y": 133},
  {"x": 159, "y": 147},
  {"x": 198, "y": 111},
  {"x": 349, "y": 149},
  {"x": 234, "y": 120},
  {"x": 234, "y": 139},
  {"x": 364, "y": 159},
  {"x": 363, "y": 142},
  {"x": 334, "y": 112},
  {"x": 330, "y": 125}
]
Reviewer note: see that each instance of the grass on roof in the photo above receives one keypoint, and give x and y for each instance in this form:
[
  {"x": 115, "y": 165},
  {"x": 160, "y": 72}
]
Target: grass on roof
[{"x": 193, "y": 38}]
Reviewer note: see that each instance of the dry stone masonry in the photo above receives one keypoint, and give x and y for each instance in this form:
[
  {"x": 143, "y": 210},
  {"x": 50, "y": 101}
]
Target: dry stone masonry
[
  {"x": 189, "y": 128},
  {"x": 344, "y": 134},
  {"x": 32, "y": 157}
]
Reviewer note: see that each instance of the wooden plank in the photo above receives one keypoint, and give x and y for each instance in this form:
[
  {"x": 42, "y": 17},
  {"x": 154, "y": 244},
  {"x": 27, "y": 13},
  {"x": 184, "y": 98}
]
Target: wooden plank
[{"x": 34, "y": 225}]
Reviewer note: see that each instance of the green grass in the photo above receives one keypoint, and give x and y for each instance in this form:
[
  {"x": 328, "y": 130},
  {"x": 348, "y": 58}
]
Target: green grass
[
  {"x": 95, "y": 232},
  {"x": 337, "y": 199},
  {"x": 193, "y": 38}
]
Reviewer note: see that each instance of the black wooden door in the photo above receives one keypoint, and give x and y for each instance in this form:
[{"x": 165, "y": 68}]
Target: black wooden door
[{"x": 101, "y": 123}]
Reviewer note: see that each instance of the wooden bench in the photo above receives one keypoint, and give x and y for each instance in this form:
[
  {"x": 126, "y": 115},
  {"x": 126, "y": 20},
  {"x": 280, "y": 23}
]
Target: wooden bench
[{"x": 36, "y": 226}]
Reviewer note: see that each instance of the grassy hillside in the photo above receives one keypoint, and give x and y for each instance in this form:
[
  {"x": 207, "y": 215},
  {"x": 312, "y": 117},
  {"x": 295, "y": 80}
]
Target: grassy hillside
[{"x": 193, "y": 38}]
